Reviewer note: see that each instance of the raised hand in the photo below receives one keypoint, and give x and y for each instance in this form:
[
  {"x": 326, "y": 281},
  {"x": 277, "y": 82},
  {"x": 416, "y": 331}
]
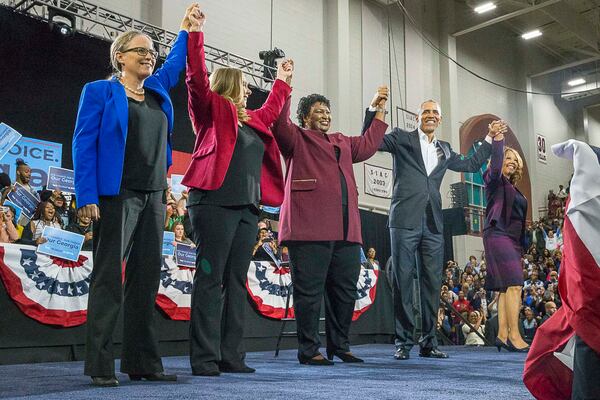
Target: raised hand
[
  {"x": 497, "y": 129},
  {"x": 285, "y": 70},
  {"x": 380, "y": 97},
  {"x": 197, "y": 19}
]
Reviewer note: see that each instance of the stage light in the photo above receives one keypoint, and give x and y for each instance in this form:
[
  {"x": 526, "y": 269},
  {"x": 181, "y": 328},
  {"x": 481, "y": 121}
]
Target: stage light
[
  {"x": 531, "y": 34},
  {"x": 60, "y": 22},
  {"x": 576, "y": 82},
  {"x": 269, "y": 58},
  {"x": 485, "y": 7}
]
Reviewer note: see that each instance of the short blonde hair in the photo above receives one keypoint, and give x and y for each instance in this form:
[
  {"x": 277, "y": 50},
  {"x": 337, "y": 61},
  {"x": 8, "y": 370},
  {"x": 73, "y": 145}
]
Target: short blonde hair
[
  {"x": 119, "y": 44},
  {"x": 228, "y": 82},
  {"x": 518, "y": 174}
]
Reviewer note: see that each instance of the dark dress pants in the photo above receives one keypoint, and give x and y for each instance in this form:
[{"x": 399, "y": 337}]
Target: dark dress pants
[
  {"x": 586, "y": 371},
  {"x": 226, "y": 236},
  {"x": 331, "y": 267},
  {"x": 430, "y": 246},
  {"x": 130, "y": 228}
]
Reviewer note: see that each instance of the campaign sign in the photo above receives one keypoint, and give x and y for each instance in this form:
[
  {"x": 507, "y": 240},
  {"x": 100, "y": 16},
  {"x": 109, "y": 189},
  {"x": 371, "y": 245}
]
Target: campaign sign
[
  {"x": 168, "y": 246},
  {"x": 60, "y": 243},
  {"x": 176, "y": 186},
  {"x": 16, "y": 207},
  {"x": 61, "y": 179},
  {"x": 38, "y": 154},
  {"x": 24, "y": 199},
  {"x": 185, "y": 255},
  {"x": 8, "y": 138}
]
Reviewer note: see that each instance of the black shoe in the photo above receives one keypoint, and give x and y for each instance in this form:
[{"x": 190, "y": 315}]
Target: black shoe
[
  {"x": 402, "y": 353},
  {"x": 514, "y": 349},
  {"x": 432, "y": 353},
  {"x": 235, "y": 369},
  {"x": 501, "y": 345},
  {"x": 155, "y": 377},
  {"x": 345, "y": 357},
  {"x": 105, "y": 381},
  {"x": 314, "y": 361}
]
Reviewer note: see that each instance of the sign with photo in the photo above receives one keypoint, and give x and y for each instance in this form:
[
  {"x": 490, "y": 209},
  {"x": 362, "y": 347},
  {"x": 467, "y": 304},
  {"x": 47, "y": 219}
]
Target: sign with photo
[
  {"x": 378, "y": 181},
  {"x": 541, "y": 148},
  {"x": 406, "y": 120}
]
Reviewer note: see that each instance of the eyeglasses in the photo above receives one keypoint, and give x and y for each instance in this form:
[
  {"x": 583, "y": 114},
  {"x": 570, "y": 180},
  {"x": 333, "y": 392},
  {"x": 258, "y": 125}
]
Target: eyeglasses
[{"x": 142, "y": 51}]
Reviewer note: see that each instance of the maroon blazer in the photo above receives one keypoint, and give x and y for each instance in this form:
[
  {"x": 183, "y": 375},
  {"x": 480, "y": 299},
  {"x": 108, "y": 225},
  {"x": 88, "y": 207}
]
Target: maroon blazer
[
  {"x": 215, "y": 123},
  {"x": 312, "y": 206}
]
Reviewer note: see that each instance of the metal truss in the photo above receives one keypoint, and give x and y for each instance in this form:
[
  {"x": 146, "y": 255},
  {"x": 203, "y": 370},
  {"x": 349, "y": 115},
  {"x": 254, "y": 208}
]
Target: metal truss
[{"x": 100, "y": 22}]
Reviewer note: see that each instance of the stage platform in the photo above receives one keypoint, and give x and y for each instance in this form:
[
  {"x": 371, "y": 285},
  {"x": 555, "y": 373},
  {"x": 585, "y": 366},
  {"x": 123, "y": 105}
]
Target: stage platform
[{"x": 469, "y": 373}]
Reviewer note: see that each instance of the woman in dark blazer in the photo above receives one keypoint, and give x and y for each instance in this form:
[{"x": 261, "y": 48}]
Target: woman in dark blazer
[
  {"x": 121, "y": 152},
  {"x": 320, "y": 222},
  {"x": 235, "y": 166},
  {"x": 502, "y": 237}
]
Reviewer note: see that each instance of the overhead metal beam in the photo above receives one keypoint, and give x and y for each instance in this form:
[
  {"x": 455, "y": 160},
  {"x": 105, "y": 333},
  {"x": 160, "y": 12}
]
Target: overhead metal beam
[
  {"x": 572, "y": 20},
  {"x": 505, "y": 17},
  {"x": 565, "y": 66}
]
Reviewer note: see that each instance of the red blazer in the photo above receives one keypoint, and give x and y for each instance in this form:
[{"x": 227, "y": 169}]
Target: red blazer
[
  {"x": 312, "y": 206},
  {"x": 216, "y": 125}
]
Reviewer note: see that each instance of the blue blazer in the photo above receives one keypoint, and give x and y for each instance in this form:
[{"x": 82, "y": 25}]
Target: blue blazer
[{"x": 101, "y": 127}]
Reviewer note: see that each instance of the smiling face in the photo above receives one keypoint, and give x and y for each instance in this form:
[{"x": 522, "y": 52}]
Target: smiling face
[
  {"x": 49, "y": 211},
  {"x": 318, "y": 118},
  {"x": 430, "y": 117},
  {"x": 511, "y": 163},
  {"x": 132, "y": 63}
]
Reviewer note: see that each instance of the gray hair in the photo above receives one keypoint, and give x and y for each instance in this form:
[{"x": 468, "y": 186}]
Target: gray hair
[
  {"x": 420, "y": 110},
  {"x": 119, "y": 44}
]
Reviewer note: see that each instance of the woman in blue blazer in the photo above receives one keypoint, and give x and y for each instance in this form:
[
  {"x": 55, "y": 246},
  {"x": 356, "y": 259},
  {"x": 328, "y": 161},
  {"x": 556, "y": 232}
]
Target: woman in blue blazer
[{"x": 121, "y": 153}]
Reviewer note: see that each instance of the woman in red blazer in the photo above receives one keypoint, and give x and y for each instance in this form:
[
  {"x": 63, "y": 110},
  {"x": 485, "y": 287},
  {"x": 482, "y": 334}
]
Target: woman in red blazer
[
  {"x": 235, "y": 166},
  {"x": 320, "y": 222}
]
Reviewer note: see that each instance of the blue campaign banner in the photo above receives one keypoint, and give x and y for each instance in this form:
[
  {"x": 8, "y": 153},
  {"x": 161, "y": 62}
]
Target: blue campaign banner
[
  {"x": 60, "y": 243},
  {"x": 185, "y": 255},
  {"x": 168, "y": 246},
  {"x": 61, "y": 179},
  {"x": 24, "y": 199},
  {"x": 8, "y": 138},
  {"x": 38, "y": 154},
  {"x": 16, "y": 207}
]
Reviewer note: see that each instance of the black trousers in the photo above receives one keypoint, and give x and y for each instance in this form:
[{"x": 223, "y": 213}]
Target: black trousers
[
  {"x": 430, "y": 245},
  {"x": 226, "y": 236},
  {"x": 586, "y": 371},
  {"x": 324, "y": 267},
  {"x": 130, "y": 228}
]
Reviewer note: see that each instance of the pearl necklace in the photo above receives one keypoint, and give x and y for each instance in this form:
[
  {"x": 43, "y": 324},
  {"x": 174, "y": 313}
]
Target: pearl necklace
[{"x": 136, "y": 92}]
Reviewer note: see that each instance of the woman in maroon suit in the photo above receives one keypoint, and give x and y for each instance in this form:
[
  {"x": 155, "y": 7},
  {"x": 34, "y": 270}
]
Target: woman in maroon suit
[
  {"x": 235, "y": 166},
  {"x": 320, "y": 222},
  {"x": 502, "y": 237}
]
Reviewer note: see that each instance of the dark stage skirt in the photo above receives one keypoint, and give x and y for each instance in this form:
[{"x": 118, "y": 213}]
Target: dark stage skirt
[{"x": 503, "y": 260}]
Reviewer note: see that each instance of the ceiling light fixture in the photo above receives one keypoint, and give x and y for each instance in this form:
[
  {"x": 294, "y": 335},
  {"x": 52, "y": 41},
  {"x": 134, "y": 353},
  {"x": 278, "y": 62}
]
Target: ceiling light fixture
[
  {"x": 531, "y": 34},
  {"x": 576, "y": 82},
  {"x": 485, "y": 7}
]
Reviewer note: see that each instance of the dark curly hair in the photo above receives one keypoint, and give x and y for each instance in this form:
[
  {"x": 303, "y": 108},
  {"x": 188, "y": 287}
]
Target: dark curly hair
[{"x": 306, "y": 103}]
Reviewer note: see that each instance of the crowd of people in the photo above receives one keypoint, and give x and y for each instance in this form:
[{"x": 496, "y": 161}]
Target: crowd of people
[{"x": 464, "y": 285}]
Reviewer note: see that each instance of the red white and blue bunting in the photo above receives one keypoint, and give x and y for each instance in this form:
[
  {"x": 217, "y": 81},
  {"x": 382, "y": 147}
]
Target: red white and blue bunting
[
  {"x": 50, "y": 290},
  {"x": 54, "y": 291}
]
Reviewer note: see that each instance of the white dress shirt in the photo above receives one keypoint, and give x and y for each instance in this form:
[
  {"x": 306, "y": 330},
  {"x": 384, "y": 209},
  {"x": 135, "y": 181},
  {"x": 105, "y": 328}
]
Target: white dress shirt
[{"x": 428, "y": 152}]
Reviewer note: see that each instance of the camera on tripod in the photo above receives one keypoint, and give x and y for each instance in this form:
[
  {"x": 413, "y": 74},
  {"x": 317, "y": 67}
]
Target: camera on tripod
[{"x": 269, "y": 58}]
